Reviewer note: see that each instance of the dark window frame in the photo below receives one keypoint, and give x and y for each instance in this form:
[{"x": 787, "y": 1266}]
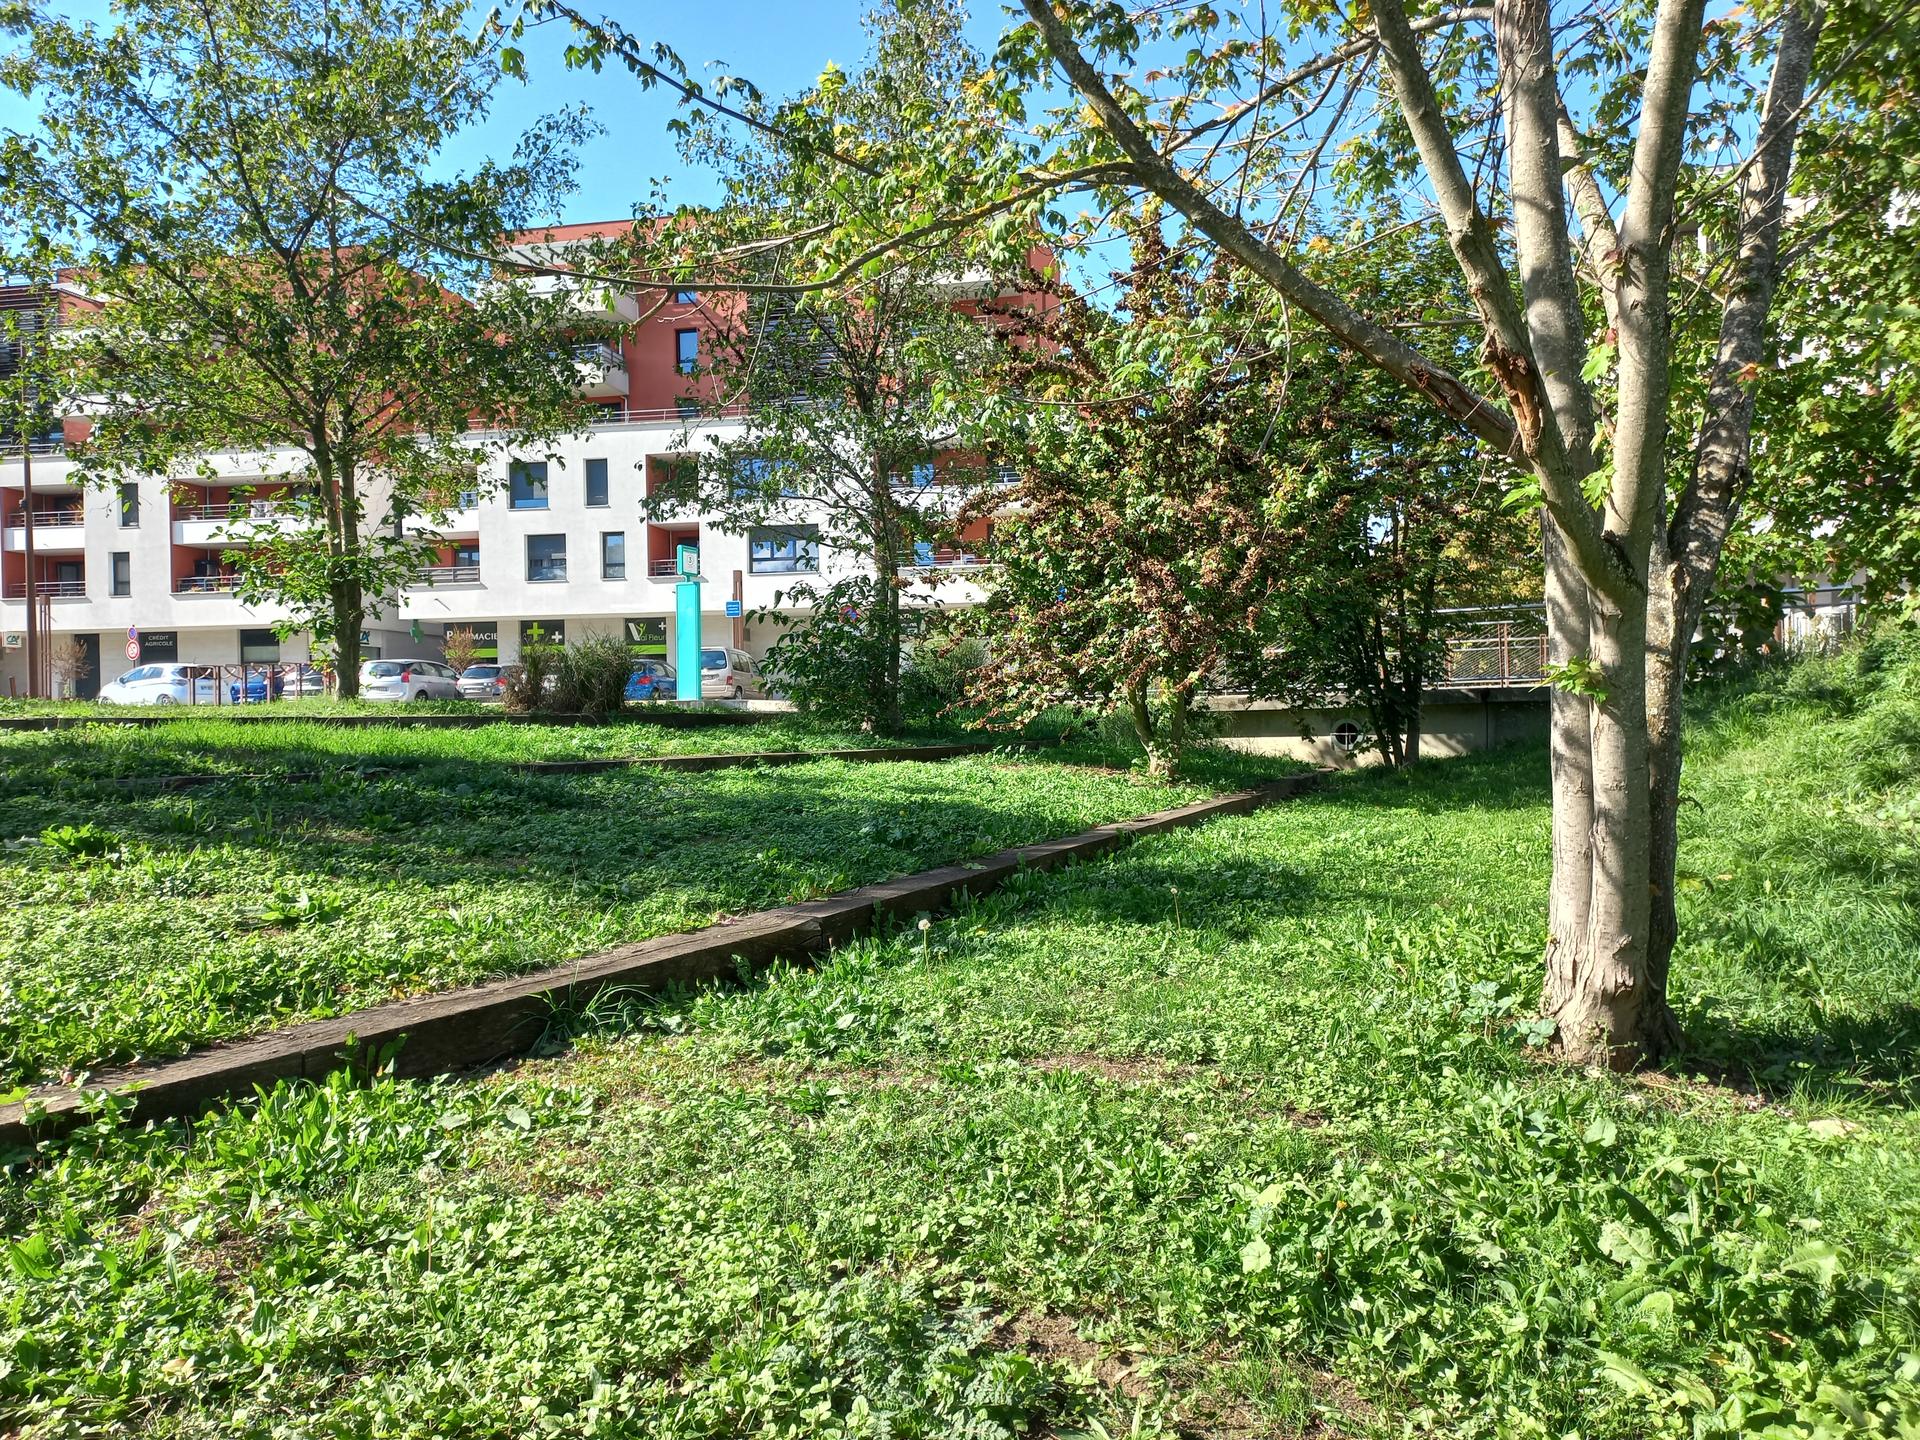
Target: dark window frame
[
  {"x": 555, "y": 559},
  {"x": 686, "y": 363},
  {"x": 609, "y": 569},
  {"x": 595, "y": 483},
  {"x": 120, "y": 573},
  {"x": 784, "y": 550}
]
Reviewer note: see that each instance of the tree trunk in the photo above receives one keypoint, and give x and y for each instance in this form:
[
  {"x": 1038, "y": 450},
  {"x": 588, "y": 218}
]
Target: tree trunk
[
  {"x": 1609, "y": 1006},
  {"x": 1143, "y": 731},
  {"x": 884, "y": 681},
  {"x": 349, "y": 613}
]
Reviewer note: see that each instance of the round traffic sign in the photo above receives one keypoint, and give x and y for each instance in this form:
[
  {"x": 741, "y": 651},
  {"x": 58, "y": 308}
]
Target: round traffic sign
[{"x": 133, "y": 649}]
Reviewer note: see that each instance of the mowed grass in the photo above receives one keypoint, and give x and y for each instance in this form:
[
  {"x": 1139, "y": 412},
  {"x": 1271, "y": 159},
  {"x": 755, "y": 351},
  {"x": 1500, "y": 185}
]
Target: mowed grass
[
  {"x": 139, "y": 923},
  {"x": 1239, "y": 1133},
  {"x": 86, "y": 755}
]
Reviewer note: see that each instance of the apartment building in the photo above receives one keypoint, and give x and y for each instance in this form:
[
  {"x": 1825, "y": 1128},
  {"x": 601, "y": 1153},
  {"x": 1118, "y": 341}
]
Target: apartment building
[{"x": 554, "y": 541}]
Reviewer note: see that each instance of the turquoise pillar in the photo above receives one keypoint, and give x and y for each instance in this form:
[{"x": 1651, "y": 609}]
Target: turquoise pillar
[{"x": 686, "y": 611}]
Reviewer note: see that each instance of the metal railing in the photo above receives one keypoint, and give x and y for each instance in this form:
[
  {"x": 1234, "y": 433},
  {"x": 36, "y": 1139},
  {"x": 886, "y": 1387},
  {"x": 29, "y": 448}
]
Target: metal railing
[
  {"x": 445, "y": 575},
  {"x": 10, "y": 449},
  {"x": 206, "y": 585},
  {"x": 663, "y": 569},
  {"x": 237, "y": 510},
  {"x": 1489, "y": 649},
  {"x": 49, "y": 590},
  {"x": 53, "y": 520},
  {"x": 594, "y": 417}
]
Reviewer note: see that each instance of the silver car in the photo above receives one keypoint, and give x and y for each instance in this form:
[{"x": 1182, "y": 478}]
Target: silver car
[
  {"x": 729, "y": 674},
  {"x": 408, "y": 680},
  {"x": 486, "y": 681}
]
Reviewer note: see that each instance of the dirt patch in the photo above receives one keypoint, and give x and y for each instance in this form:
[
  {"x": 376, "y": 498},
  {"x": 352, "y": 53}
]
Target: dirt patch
[
  {"x": 1129, "y": 1071},
  {"x": 1050, "y": 1336}
]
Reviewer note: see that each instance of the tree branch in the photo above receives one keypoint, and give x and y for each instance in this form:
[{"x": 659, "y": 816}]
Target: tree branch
[{"x": 1406, "y": 364}]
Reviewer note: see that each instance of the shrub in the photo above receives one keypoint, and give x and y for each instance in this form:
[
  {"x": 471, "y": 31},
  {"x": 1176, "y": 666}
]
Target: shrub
[
  {"x": 592, "y": 676},
  {"x": 934, "y": 682},
  {"x": 530, "y": 683}
]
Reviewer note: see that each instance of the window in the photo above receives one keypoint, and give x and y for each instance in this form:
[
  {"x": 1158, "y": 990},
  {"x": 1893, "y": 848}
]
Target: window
[
  {"x": 259, "y": 646},
  {"x": 793, "y": 550},
  {"x": 122, "y": 577},
  {"x": 686, "y": 407},
  {"x": 923, "y": 475},
  {"x": 613, "y": 555},
  {"x": 596, "y": 482},
  {"x": 686, "y": 297},
  {"x": 129, "y": 505},
  {"x": 467, "y": 556},
  {"x": 527, "y": 482},
  {"x": 546, "y": 557},
  {"x": 686, "y": 350}
]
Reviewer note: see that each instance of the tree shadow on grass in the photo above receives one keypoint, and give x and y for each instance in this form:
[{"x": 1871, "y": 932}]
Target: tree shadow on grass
[
  {"x": 1859, "y": 1059},
  {"x": 662, "y": 850}
]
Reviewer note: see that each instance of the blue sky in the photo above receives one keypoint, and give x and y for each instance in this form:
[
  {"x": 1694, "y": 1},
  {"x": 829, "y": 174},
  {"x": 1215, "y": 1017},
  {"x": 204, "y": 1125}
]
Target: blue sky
[{"x": 781, "y": 45}]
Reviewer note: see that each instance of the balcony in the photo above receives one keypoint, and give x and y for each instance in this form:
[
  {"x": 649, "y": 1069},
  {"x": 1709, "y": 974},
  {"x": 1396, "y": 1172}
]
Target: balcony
[
  {"x": 54, "y": 531},
  {"x": 445, "y": 576},
  {"x": 589, "y": 299},
  {"x": 206, "y": 585},
  {"x": 49, "y": 590},
  {"x": 603, "y": 374},
  {"x": 233, "y": 522}
]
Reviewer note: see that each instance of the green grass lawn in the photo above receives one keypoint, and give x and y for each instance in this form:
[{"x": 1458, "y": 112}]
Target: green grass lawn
[
  {"x": 83, "y": 756},
  {"x": 1238, "y": 1133},
  {"x": 140, "y": 923}
]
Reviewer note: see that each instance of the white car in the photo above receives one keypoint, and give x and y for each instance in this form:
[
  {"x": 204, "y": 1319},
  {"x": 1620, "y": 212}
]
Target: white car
[
  {"x": 162, "y": 685},
  {"x": 408, "y": 680}
]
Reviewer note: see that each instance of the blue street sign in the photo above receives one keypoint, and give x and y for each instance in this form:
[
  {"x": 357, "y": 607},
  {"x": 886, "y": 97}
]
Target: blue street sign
[{"x": 733, "y": 610}]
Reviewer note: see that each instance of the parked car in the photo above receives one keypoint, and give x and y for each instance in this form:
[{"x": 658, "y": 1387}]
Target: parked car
[
  {"x": 484, "y": 682},
  {"x": 729, "y": 674},
  {"x": 651, "y": 680},
  {"x": 162, "y": 685},
  {"x": 408, "y": 680},
  {"x": 304, "y": 680},
  {"x": 259, "y": 684}
]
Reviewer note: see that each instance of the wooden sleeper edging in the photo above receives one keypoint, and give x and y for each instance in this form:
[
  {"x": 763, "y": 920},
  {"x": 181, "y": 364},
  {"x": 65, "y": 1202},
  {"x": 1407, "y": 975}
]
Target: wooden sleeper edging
[
  {"x": 433, "y": 1034},
  {"x": 876, "y": 754}
]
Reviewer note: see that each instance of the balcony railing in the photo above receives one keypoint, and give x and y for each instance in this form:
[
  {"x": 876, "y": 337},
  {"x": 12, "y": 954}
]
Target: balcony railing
[
  {"x": 46, "y": 445},
  {"x": 445, "y": 575},
  {"x": 50, "y": 590},
  {"x": 206, "y": 585},
  {"x": 663, "y": 569},
  {"x": 238, "y": 510},
  {"x": 595, "y": 417},
  {"x": 945, "y": 563},
  {"x": 55, "y": 520}
]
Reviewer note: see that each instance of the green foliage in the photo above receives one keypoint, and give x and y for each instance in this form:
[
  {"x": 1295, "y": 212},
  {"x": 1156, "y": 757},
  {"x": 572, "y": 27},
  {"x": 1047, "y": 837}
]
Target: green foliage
[
  {"x": 590, "y": 677},
  {"x": 939, "y": 677},
  {"x": 839, "y": 651}
]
